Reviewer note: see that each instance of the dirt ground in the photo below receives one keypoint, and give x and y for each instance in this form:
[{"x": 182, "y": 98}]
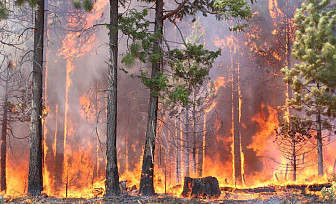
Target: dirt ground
[{"x": 224, "y": 199}]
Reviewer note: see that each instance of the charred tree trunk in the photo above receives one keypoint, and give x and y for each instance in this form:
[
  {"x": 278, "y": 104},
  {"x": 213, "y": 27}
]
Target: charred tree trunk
[
  {"x": 59, "y": 154},
  {"x": 96, "y": 148},
  {"x": 186, "y": 146},
  {"x": 319, "y": 141},
  {"x": 289, "y": 54},
  {"x": 35, "y": 180},
  {"x": 236, "y": 129},
  {"x": 294, "y": 160},
  {"x": 4, "y": 136},
  {"x": 200, "y": 152},
  {"x": 286, "y": 171},
  {"x": 194, "y": 134},
  {"x": 319, "y": 145},
  {"x": 112, "y": 175},
  {"x": 207, "y": 187},
  {"x": 178, "y": 152},
  {"x": 147, "y": 171}
]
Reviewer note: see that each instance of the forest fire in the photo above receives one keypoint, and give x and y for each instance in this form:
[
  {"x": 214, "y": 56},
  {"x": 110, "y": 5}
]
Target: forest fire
[{"x": 233, "y": 129}]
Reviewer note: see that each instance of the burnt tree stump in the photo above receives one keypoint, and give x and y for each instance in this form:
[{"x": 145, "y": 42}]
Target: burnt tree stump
[{"x": 201, "y": 187}]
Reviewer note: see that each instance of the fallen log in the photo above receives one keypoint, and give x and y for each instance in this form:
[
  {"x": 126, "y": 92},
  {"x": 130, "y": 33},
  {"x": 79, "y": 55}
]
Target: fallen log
[
  {"x": 201, "y": 187},
  {"x": 312, "y": 187},
  {"x": 267, "y": 189},
  {"x": 226, "y": 189},
  {"x": 318, "y": 187},
  {"x": 301, "y": 188},
  {"x": 270, "y": 189}
]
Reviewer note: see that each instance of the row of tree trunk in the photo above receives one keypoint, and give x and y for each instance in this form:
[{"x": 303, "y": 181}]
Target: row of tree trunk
[{"x": 35, "y": 177}]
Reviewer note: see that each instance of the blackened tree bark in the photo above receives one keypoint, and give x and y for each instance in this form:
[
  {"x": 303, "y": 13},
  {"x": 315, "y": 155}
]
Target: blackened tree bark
[
  {"x": 194, "y": 133},
  {"x": 147, "y": 171},
  {"x": 178, "y": 151},
  {"x": 236, "y": 129},
  {"x": 200, "y": 149},
  {"x": 186, "y": 147},
  {"x": 4, "y": 135},
  {"x": 59, "y": 155},
  {"x": 319, "y": 145},
  {"x": 112, "y": 175},
  {"x": 294, "y": 160},
  {"x": 35, "y": 180},
  {"x": 319, "y": 139}
]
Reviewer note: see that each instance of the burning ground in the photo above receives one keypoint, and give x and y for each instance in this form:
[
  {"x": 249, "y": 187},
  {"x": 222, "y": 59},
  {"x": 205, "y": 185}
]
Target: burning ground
[
  {"x": 255, "y": 198},
  {"x": 233, "y": 137}
]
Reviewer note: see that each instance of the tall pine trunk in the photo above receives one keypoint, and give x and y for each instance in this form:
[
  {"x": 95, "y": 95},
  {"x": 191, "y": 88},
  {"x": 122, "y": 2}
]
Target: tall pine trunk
[
  {"x": 201, "y": 150},
  {"x": 319, "y": 140},
  {"x": 35, "y": 180},
  {"x": 194, "y": 134},
  {"x": 4, "y": 136},
  {"x": 59, "y": 154},
  {"x": 319, "y": 145},
  {"x": 112, "y": 175},
  {"x": 147, "y": 171},
  {"x": 178, "y": 152},
  {"x": 294, "y": 160},
  {"x": 236, "y": 129},
  {"x": 186, "y": 147}
]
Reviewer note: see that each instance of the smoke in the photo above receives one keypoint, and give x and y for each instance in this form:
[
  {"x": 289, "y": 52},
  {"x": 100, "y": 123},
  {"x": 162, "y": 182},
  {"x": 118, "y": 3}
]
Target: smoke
[{"x": 75, "y": 81}]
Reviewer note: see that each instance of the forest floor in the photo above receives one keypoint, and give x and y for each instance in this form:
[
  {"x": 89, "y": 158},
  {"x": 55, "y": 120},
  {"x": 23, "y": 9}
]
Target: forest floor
[{"x": 233, "y": 198}]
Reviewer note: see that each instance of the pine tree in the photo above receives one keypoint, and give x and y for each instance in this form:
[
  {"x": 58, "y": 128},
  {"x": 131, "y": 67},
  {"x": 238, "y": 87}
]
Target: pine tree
[
  {"x": 148, "y": 47},
  {"x": 292, "y": 140},
  {"x": 35, "y": 177},
  {"x": 35, "y": 180},
  {"x": 201, "y": 97},
  {"x": 112, "y": 174},
  {"x": 313, "y": 48}
]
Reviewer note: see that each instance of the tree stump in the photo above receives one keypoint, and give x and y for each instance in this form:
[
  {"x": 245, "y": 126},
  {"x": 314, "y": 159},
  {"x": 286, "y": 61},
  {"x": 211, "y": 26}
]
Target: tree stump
[{"x": 201, "y": 187}]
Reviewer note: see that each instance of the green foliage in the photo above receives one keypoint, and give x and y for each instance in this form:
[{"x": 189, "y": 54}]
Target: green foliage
[
  {"x": 3, "y": 11},
  {"x": 88, "y": 5},
  {"x": 128, "y": 59},
  {"x": 313, "y": 79},
  {"x": 222, "y": 9},
  {"x": 32, "y": 3},
  {"x": 158, "y": 83},
  {"x": 77, "y": 4},
  {"x": 237, "y": 10},
  {"x": 192, "y": 63},
  {"x": 180, "y": 94},
  {"x": 234, "y": 9},
  {"x": 135, "y": 25},
  {"x": 189, "y": 65},
  {"x": 297, "y": 129}
]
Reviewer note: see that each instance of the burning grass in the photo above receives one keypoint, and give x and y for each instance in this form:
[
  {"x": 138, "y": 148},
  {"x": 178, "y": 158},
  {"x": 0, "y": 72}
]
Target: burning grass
[{"x": 318, "y": 193}]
